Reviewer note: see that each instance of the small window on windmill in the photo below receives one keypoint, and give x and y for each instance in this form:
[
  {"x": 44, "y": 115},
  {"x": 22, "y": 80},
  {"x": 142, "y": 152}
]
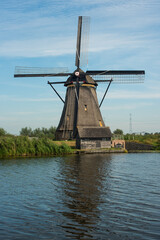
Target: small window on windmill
[
  {"x": 67, "y": 117},
  {"x": 100, "y": 123},
  {"x": 85, "y": 107}
]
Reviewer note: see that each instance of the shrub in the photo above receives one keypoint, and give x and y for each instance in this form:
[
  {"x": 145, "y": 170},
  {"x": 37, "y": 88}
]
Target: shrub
[{"x": 2, "y": 132}]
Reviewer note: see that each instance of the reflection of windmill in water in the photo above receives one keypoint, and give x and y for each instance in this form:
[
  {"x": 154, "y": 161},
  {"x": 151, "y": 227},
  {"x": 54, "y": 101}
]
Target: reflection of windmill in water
[
  {"x": 81, "y": 114},
  {"x": 85, "y": 188}
]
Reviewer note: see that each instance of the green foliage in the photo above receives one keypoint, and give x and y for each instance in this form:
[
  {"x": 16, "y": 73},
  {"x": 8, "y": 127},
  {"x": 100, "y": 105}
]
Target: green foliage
[
  {"x": 151, "y": 139},
  {"x": 25, "y": 146},
  {"x": 65, "y": 148},
  {"x": 2, "y": 132},
  {"x": 39, "y": 132},
  {"x": 118, "y": 132},
  {"x": 26, "y": 132}
]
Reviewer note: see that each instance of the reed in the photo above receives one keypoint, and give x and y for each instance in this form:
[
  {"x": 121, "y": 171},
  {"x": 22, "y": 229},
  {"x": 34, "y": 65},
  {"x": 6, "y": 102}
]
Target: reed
[{"x": 26, "y": 146}]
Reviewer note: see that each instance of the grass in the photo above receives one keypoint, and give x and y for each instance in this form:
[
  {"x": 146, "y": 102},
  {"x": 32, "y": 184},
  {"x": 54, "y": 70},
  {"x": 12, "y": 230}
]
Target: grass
[
  {"x": 25, "y": 146},
  {"x": 151, "y": 139}
]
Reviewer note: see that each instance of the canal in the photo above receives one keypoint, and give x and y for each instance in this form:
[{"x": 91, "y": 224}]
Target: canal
[{"x": 103, "y": 196}]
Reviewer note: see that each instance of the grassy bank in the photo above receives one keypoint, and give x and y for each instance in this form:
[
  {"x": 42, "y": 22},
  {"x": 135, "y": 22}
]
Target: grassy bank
[
  {"x": 25, "y": 146},
  {"x": 151, "y": 139}
]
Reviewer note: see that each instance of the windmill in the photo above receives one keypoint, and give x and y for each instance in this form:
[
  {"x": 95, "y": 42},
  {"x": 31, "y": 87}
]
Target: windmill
[{"x": 81, "y": 114}]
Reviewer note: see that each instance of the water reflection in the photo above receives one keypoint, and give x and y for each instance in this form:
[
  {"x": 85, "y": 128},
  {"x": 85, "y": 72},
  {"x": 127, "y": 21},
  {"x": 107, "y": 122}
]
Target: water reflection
[
  {"x": 112, "y": 196},
  {"x": 83, "y": 186}
]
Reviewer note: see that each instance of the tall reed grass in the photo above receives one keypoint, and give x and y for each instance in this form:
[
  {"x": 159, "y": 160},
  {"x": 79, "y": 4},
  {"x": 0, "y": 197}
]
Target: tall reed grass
[{"x": 25, "y": 146}]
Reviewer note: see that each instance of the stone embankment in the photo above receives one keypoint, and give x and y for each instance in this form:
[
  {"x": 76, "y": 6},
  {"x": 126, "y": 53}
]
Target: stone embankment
[
  {"x": 92, "y": 151},
  {"x": 134, "y": 146}
]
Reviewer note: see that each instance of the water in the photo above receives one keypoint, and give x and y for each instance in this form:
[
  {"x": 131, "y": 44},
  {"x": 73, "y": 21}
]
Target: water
[{"x": 110, "y": 196}]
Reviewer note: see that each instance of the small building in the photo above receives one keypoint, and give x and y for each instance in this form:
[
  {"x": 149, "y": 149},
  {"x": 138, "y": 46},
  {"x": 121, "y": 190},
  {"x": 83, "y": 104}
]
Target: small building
[
  {"x": 93, "y": 138},
  {"x": 118, "y": 143}
]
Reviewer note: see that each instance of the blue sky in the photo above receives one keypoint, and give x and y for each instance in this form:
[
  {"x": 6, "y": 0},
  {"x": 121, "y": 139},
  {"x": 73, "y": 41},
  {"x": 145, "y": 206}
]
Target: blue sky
[{"x": 124, "y": 35}]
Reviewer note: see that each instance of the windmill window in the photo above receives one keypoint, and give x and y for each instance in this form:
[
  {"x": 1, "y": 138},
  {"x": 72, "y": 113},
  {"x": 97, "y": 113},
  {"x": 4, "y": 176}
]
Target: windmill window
[
  {"x": 100, "y": 123},
  {"x": 85, "y": 107}
]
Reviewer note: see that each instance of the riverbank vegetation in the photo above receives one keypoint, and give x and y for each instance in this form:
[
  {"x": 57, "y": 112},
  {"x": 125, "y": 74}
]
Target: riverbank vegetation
[
  {"x": 26, "y": 146},
  {"x": 41, "y": 141},
  {"x": 151, "y": 139}
]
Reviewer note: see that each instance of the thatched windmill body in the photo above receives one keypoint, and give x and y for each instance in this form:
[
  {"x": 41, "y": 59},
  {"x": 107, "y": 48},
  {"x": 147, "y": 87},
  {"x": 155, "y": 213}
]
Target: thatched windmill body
[{"x": 81, "y": 112}]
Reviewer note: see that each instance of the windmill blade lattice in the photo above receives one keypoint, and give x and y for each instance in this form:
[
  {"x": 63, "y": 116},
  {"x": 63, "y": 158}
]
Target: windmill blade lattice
[
  {"x": 118, "y": 76},
  {"x": 40, "y": 71},
  {"x": 82, "y": 41}
]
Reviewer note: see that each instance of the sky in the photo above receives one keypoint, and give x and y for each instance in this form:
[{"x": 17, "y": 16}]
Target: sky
[{"x": 124, "y": 35}]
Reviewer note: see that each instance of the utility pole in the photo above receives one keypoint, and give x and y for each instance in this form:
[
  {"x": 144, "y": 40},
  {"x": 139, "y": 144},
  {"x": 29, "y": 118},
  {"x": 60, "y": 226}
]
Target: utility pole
[{"x": 130, "y": 123}]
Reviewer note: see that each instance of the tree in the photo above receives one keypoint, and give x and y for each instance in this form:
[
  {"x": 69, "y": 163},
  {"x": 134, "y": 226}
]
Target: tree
[
  {"x": 26, "y": 131},
  {"x": 2, "y": 132},
  {"x": 118, "y": 132},
  {"x": 39, "y": 132}
]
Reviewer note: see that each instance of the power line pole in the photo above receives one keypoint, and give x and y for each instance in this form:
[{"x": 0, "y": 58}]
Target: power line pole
[{"x": 130, "y": 123}]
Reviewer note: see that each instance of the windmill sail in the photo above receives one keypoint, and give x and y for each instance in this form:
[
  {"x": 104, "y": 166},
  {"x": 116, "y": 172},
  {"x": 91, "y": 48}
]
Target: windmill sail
[
  {"x": 85, "y": 41},
  {"x": 40, "y": 72},
  {"x": 82, "y": 41},
  {"x": 118, "y": 76}
]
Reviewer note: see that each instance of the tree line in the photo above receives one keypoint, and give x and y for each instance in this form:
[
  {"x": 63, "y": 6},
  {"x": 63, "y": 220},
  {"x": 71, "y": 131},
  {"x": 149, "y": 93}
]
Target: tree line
[{"x": 38, "y": 132}]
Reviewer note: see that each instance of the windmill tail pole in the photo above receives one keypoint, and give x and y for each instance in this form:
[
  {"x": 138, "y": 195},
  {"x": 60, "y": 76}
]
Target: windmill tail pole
[
  {"x": 105, "y": 93},
  {"x": 76, "y": 106}
]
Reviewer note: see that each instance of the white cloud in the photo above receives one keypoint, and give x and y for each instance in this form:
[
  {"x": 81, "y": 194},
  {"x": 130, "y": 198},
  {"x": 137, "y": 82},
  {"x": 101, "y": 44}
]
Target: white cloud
[
  {"x": 127, "y": 94},
  {"x": 37, "y": 47},
  {"x": 134, "y": 95},
  {"x": 57, "y": 46},
  {"x": 122, "y": 94},
  {"x": 20, "y": 99},
  {"x": 126, "y": 106}
]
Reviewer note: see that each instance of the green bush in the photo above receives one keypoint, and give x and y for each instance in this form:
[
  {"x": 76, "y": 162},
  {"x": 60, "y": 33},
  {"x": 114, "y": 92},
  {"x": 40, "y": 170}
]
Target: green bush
[
  {"x": 65, "y": 148},
  {"x": 2, "y": 132},
  {"x": 118, "y": 132}
]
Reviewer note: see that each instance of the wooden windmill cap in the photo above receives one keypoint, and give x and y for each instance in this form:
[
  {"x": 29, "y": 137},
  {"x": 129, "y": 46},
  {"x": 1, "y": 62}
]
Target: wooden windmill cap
[{"x": 81, "y": 75}]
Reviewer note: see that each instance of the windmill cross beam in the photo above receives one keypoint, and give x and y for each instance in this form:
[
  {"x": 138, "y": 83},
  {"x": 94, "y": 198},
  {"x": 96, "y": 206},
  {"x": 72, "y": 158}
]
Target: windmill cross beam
[
  {"x": 105, "y": 92},
  {"x": 56, "y": 91}
]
